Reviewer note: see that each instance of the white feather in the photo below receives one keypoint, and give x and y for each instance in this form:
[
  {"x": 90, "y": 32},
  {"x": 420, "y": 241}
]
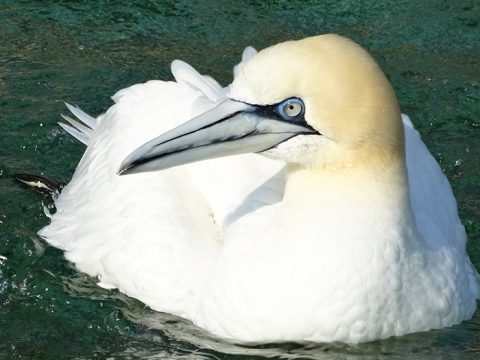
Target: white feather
[
  {"x": 247, "y": 54},
  {"x": 82, "y": 128},
  {"x": 77, "y": 134},
  {"x": 78, "y": 130},
  {"x": 187, "y": 74},
  {"x": 91, "y": 122}
]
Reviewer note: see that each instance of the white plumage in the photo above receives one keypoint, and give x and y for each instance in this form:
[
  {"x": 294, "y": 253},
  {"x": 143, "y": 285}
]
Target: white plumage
[{"x": 221, "y": 242}]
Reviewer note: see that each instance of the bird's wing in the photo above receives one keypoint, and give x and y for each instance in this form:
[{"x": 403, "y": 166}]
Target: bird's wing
[
  {"x": 433, "y": 203},
  {"x": 151, "y": 235}
]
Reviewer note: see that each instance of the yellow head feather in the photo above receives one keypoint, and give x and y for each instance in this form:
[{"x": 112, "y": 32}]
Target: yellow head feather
[{"x": 347, "y": 97}]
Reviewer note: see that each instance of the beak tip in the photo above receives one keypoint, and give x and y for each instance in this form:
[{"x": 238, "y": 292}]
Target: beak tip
[{"x": 126, "y": 169}]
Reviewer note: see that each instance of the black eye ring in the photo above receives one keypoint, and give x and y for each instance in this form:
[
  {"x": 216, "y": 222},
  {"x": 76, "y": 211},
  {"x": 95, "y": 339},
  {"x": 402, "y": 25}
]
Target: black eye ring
[{"x": 291, "y": 109}]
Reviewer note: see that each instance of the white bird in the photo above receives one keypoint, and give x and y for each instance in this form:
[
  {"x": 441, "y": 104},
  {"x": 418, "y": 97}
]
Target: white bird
[{"x": 346, "y": 230}]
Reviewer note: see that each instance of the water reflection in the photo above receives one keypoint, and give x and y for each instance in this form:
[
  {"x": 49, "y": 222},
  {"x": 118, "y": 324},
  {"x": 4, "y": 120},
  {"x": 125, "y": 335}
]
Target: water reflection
[{"x": 182, "y": 334}]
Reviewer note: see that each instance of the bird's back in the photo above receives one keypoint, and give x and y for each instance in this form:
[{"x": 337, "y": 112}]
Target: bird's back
[{"x": 435, "y": 208}]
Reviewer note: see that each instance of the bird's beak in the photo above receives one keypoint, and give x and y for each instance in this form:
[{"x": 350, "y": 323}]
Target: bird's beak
[{"x": 230, "y": 128}]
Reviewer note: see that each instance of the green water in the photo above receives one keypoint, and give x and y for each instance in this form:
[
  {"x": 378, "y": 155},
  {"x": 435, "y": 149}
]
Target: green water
[{"x": 83, "y": 52}]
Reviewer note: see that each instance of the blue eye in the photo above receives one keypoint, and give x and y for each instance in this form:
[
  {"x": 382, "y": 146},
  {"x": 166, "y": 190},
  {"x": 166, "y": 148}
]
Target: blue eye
[{"x": 291, "y": 109}]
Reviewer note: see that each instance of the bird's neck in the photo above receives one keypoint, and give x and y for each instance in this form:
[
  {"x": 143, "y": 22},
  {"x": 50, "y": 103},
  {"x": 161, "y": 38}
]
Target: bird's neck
[
  {"x": 379, "y": 178},
  {"x": 374, "y": 198}
]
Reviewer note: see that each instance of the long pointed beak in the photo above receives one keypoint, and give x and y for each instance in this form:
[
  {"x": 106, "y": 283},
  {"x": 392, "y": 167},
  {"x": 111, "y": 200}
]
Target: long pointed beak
[{"x": 230, "y": 128}]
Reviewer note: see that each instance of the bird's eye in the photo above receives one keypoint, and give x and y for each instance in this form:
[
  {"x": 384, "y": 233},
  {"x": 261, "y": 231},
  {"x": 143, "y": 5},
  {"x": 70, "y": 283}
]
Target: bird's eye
[{"x": 291, "y": 109}]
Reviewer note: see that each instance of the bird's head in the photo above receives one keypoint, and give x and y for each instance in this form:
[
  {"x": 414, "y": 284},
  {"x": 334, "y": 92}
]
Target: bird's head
[{"x": 320, "y": 101}]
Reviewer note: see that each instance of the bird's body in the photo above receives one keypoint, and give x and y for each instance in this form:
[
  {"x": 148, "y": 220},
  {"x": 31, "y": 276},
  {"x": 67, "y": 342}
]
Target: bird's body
[{"x": 361, "y": 242}]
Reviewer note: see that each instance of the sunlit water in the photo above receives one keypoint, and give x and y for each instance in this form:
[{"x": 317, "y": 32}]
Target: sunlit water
[{"x": 83, "y": 52}]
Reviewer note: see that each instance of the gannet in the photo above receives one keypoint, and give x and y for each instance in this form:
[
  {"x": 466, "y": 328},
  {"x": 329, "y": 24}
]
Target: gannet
[{"x": 332, "y": 222}]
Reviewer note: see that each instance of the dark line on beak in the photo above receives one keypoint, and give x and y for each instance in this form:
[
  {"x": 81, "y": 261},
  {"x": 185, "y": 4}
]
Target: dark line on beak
[
  {"x": 293, "y": 135},
  {"x": 201, "y": 128},
  {"x": 126, "y": 170}
]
